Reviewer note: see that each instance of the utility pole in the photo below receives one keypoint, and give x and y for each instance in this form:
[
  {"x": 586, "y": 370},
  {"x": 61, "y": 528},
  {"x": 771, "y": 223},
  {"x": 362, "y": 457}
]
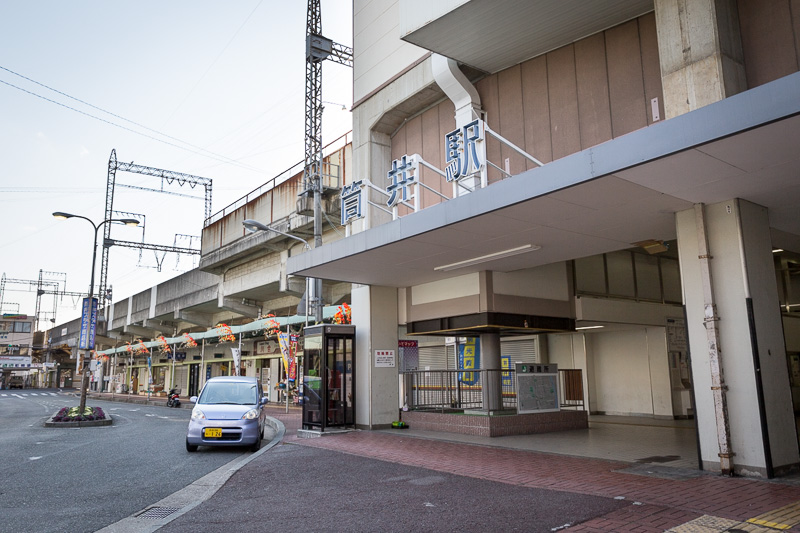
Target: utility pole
[{"x": 318, "y": 49}]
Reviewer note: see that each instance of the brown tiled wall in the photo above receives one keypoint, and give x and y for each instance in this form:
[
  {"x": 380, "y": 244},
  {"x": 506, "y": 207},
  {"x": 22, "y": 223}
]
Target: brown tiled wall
[{"x": 496, "y": 426}]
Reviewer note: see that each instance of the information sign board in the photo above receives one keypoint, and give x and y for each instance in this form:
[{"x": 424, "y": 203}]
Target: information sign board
[{"x": 537, "y": 388}]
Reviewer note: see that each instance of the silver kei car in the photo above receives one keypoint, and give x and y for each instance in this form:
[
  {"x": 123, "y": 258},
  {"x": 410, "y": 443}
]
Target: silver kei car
[{"x": 228, "y": 412}]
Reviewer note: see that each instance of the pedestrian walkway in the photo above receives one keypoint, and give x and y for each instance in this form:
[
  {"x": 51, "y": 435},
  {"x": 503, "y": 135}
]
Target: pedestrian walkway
[{"x": 661, "y": 498}]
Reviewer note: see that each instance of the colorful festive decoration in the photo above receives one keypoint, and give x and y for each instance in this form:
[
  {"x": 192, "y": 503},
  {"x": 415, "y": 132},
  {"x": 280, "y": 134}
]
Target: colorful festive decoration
[
  {"x": 271, "y": 327},
  {"x": 128, "y": 347},
  {"x": 189, "y": 342},
  {"x": 140, "y": 348},
  {"x": 163, "y": 346},
  {"x": 225, "y": 333},
  {"x": 342, "y": 316}
]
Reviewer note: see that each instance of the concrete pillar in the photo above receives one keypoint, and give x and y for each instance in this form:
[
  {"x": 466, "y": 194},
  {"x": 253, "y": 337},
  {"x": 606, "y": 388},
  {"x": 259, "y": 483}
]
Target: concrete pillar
[
  {"x": 374, "y": 315},
  {"x": 700, "y": 50},
  {"x": 490, "y": 360},
  {"x": 750, "y": 350}
]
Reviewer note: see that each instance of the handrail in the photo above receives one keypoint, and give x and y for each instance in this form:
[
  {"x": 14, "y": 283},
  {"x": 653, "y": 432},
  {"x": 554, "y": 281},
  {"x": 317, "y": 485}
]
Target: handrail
[{"x": 287, "y": 174}]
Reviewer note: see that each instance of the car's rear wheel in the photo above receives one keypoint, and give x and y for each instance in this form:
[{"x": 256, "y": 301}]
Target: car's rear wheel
[{"x": 190, "y": 447}]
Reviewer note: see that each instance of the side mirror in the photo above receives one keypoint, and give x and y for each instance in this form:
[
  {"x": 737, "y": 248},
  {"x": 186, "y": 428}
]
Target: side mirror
[
  {"x": 264, "y": 400},
  {"x": 193, "y": 399}
]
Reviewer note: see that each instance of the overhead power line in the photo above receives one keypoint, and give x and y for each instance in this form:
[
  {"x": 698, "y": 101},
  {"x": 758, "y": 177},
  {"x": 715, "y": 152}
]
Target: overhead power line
[{"x": 198, "y": 150}]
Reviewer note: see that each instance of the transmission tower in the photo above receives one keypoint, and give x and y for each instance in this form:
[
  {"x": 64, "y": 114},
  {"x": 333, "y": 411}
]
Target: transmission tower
[
  {"x": 318, "y": 49},
  {"x": 168, "y": 177}
]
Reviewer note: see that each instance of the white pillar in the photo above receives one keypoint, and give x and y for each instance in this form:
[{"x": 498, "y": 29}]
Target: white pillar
[
  {"x": 744, "y": 292},
  {"x": 374, "y": 314}
]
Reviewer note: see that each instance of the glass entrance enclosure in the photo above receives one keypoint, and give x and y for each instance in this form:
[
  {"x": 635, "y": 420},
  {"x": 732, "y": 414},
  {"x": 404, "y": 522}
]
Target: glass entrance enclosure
[{"x": 329, "y": 376}]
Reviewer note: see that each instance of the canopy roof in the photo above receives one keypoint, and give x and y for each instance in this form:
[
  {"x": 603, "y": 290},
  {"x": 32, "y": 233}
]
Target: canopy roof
[{"x": 252, "y": 329}]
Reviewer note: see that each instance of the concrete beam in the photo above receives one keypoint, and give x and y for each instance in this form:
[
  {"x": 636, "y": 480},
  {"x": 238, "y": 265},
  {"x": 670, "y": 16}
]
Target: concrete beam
[
  {"x": 140, "y": 331},
  {"x": 238, "y": 306},
  {"x": 193, "y": 317},
  {"x": 159, "y": 326}
]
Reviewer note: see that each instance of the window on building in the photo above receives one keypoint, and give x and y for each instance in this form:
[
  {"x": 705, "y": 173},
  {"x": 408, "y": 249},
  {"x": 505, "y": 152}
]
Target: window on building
[{"x": 22, "y": 327}]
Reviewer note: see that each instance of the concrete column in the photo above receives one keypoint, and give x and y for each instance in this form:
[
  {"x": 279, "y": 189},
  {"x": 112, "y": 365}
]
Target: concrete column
[
  {"x": 490, "y": 360},
  {"x": 750, "y": 353},
  {"x": 700, "y": 50},
  {"x": 374, "y": 315}
]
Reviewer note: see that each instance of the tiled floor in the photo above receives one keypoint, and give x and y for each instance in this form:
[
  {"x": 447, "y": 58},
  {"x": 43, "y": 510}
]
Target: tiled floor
[{"x": 618, "y": 438}]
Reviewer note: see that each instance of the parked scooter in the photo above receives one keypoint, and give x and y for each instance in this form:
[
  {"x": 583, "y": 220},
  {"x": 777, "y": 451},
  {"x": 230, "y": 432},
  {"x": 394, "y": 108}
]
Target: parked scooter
[{"x": 173, "y": 398}]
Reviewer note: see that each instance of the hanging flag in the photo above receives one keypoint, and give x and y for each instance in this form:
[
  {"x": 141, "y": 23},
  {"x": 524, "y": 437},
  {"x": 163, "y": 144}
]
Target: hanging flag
[
  {"x": 237, "y": 357},
  {"x": 287, "y": 353}
]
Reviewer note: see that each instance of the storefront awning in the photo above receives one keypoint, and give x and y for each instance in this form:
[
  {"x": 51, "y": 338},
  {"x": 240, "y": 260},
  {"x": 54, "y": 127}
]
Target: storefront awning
[{"x": 252, "y": 329}]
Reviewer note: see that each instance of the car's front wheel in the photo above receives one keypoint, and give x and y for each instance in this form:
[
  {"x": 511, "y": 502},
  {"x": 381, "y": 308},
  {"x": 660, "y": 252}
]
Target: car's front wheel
[{"x": 190, "y": 447}]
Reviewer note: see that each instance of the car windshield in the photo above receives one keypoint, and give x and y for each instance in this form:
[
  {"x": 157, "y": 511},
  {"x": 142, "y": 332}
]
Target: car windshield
[{"x": 229, "y": 393}]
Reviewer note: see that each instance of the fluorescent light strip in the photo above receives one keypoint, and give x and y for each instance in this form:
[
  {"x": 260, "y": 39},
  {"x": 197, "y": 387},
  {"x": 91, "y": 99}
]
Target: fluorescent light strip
[
  {"x": 589, "y": 327},
  {"x": 489, "y": 257}
]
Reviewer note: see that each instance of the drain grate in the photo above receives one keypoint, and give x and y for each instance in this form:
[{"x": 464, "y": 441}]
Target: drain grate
[{"x": 154, "y": 513}]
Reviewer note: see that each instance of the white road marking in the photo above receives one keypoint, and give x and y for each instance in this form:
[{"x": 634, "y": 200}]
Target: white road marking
[{"x": 34, "y": 458}]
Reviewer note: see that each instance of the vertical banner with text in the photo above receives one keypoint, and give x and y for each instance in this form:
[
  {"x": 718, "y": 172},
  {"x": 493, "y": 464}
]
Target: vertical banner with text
[{"x": 88, "y": 324}]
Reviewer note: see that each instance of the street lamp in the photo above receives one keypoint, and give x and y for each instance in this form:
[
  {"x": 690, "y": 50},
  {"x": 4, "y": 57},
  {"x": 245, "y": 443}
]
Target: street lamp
[
  {"x": 128, "y": 222},
  {"x": 253, "y": 226}
]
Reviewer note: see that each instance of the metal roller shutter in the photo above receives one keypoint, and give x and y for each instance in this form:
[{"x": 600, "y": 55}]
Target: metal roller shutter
[{"x": 523, "y": 351}]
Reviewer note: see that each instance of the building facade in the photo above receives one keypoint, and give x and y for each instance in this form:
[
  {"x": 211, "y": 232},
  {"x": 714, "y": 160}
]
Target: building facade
[{"x": 633, "y": 172}]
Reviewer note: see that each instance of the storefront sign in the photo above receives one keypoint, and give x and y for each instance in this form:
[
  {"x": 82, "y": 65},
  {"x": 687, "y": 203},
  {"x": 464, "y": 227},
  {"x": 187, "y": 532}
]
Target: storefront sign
[
  {"x": 408, "y": 352},
  {"x": 384, "y": 358},
  {"x": 266, "y": 347},
  {"x": 15, "y": 361}
]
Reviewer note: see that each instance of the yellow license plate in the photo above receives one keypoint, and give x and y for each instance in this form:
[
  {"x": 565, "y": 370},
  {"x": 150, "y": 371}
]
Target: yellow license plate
[{"x": 213, "y": 432}]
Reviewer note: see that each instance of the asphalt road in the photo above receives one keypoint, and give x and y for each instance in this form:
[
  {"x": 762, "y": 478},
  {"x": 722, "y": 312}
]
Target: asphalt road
[
  {"x": 297, "y": 488},
  {"x": 82, "y": 479}
]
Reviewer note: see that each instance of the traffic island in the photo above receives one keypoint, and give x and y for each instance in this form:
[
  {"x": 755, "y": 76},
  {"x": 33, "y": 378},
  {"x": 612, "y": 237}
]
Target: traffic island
[{"x": 69, "y": 417}]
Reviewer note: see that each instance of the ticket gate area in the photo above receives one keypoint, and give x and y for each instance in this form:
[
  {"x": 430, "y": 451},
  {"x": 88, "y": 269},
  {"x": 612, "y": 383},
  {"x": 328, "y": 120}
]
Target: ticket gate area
[{"x": 329, "y": 376}]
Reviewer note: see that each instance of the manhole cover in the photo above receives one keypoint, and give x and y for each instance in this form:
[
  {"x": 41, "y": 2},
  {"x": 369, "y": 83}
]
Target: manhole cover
[{"x": 154, "y": 513}]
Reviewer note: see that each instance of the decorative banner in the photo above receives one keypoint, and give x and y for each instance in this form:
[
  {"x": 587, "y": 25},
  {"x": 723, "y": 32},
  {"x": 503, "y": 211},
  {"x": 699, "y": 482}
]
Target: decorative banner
[
  {"x": 288, "y": 344},
  {"x": 469, "y": 357},
  {"x": 88, "y": 324},
  {"x": 237, "y": 360},
  {"x": 225, "y": 333}
]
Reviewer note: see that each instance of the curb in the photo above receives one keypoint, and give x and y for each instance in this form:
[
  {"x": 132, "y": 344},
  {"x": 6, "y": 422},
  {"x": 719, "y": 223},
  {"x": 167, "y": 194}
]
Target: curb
[{"x": 49, "y": 423}]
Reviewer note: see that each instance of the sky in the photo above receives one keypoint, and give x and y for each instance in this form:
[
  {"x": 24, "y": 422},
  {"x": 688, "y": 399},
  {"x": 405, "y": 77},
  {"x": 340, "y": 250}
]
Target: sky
[{"x": 214, "y": 89}]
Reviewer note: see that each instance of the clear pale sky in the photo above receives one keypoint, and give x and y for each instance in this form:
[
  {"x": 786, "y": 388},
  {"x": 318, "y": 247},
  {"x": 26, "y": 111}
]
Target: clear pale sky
[{"x": 184, "y": 78}]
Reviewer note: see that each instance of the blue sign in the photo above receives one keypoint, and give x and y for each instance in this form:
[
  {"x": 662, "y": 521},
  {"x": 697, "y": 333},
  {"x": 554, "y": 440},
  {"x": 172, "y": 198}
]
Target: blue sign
[
  {"x": 462, "y": 154},
  {"x": 401, "y": 179},
  {"x": 351, "y": 201},
  {"x": 88, "y": 324},
  {"x": 469, "y": 357}
]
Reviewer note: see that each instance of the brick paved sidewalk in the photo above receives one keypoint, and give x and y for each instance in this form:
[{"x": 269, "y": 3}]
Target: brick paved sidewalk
[{"x": 661, "y": 498}]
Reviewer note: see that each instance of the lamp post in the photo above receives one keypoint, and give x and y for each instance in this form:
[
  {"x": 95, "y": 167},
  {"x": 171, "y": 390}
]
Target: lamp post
[
  {"x": 128, "y": 222},
  {"x": 253, "y": 226}
]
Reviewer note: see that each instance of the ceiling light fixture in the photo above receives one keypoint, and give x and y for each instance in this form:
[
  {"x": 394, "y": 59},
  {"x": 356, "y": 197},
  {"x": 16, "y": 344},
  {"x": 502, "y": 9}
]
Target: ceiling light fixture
[
  {"x": 488, "y": 257},
  {"x": 589, "y": 327},
  {"x": 777, "y": 250}
]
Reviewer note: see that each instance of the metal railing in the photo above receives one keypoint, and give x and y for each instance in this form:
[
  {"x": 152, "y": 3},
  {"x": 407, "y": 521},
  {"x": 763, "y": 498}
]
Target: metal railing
[
  {"x": 462, "y": 390},
  {"x": 331, "y": 178}
]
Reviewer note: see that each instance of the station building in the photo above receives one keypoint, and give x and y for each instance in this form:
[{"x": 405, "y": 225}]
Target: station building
[
  {"x": 606, "y": 187},
  {"x": 634, "y": 170}
]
